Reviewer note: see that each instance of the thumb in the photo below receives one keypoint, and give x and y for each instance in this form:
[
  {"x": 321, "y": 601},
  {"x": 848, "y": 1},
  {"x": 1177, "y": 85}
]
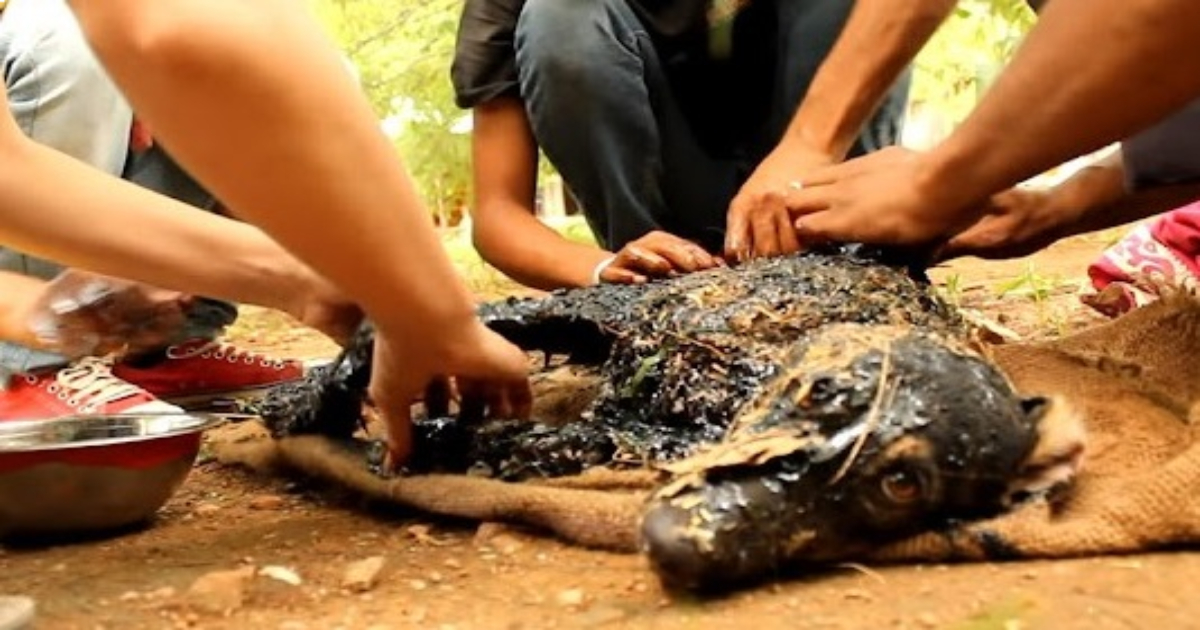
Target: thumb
[
  {"x": 397, "y": 418},
  {"x": 956, "y": 247}
]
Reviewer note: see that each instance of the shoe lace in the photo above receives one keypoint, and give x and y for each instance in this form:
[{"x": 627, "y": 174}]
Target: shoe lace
[
  {"x": 220, "y": 350},
  {"x": 91, "y": 379}
]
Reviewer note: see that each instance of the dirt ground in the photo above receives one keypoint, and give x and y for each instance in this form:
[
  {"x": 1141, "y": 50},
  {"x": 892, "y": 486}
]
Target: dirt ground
[{"x": 454, "y": 575}]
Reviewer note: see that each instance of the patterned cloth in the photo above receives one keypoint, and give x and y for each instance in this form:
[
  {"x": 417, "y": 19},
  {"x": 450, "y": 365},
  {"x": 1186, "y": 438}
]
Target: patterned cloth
[{"x": 1163, "y": 252}]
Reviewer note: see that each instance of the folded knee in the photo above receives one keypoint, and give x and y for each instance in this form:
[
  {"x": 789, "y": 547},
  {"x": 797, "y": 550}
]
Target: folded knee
[{"x": 569, "y": 36}]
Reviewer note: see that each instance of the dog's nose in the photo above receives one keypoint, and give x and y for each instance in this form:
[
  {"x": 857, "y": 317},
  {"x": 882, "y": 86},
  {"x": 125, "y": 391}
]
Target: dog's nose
[{"x": 672, "y": 549}]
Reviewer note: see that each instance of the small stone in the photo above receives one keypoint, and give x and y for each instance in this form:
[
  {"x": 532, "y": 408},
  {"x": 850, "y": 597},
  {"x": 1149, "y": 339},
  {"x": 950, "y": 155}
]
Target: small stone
[
  {"x": 165, "y": 592},
  {"x": 363, "y": 575},
  {"x": 423, "y": 534},
  {"x": 857, "y": 593},
  {"x": 418, "y": 585},
  {"x": 293, "y": 625},
  {"x": 571, "y": 597},
  {"x": 206, "y": 509},
  {"x": 220, "y": 592},
  {"x": 601, "y": 615},
  {"x": 282, "y": 574},
  {"x": 487, "y": 531},
  {"x": 451, "y": 563},
  {"x": 266, "y": 502},
  {"x": 927, "y": 620},
  {"x": 129, "y": 596},
  {"x": 435, "y": 577}
]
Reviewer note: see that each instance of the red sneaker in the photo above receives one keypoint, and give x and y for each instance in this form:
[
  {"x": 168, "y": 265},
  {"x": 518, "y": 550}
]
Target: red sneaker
[
  {"x": 199, "y": 372},
  {"x": 85, "y": 387}
]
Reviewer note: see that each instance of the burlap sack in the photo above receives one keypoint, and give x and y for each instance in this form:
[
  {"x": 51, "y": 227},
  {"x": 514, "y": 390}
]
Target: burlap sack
[{"x": 1135, "y": 379}]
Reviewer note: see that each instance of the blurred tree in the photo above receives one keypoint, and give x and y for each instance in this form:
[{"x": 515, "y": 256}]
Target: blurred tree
[
  {"x": 966, "y": 53},
  {"x": 402, "y": 52}
]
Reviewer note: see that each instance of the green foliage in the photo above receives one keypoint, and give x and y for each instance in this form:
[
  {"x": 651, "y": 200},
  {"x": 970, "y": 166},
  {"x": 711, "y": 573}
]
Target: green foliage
[
  {"x": 970, "y": 48},
  {"x": 951, "y": 289},
  {"x": 1031, "y": 284},
  {"x": 402, "y": 52}
]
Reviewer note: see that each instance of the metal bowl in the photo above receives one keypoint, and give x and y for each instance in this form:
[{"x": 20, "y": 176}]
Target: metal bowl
[{"x": 88, "y": 474}]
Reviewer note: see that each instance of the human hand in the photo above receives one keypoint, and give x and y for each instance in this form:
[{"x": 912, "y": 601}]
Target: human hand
[
  {"x": 888, "y": 197},
  {"x": 1018, "y": 223},
  {"x": 489, "y": 373},
  {"x": 319, "y": 305},
  {"x": 758, "y": 223},
  {"x": 655, "y": 255},
  {"x": 84, "y": 314}
]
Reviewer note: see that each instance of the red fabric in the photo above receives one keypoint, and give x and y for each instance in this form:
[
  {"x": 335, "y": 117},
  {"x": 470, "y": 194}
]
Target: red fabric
[
  {"x": 1179, "y": 231},
  {"x": 1166, "y": 250},
  {"x": 132, "y": 455}
]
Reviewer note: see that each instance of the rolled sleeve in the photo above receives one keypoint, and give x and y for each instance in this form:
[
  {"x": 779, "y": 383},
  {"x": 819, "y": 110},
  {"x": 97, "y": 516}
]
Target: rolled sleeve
[
  {"x": 1167, "y": 153},
  {"x": 484, "y": 65}
]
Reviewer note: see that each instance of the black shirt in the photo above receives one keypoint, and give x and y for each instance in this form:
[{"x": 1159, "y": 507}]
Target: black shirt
[{"x": 724, "y": 95}]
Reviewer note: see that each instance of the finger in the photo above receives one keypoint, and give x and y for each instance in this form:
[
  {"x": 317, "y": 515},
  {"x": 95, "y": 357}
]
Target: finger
[
  {"x": 472, "y": 409},
  {"x": 827, "y": 175},
  {"x": 679, "y": 254},
  {"x": 808, "y": 200},
  {"x": 949, "y": 250},
  {"x": 498, "y": 403},
  {"x": 619, "y": 275},
  {"x": 766, "y": 238},
  {"x": 737, "y": 232},
  {"x": 704, "y": 260},
  {"x": 437, "y": 398},
  {"x": 644, "y": 260},
  {"x": 520, "y": 396},
  {"x": 789, "y": 243},
  {"x": 819, "y": 228},
  {"x": 399, "y": 437}
]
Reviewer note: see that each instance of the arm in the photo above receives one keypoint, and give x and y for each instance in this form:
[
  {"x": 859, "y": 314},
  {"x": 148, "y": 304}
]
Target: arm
[
  {"x": 314, "y": 170},
  {"x": 1095, "y": 198},
  {"x": 1052, "y": 89},
  {"x": 1019, "y": 222},
  {"x": 20, "y": 292},
  {"x": 508, "y": 235},
  {"x": 1058, "y": 99},
  {"x": 119, "y": 219},
  {"x": 305, "y": 133},
  {"x": 879, "y": 40},
  {"x": 505, "y": 230}
]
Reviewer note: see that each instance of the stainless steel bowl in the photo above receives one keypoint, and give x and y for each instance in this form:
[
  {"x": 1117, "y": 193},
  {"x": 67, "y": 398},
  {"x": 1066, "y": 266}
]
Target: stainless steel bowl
[{"x": 93, "y": 473}]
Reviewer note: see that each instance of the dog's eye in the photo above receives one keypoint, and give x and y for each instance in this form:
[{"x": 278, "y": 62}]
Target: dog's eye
[{"x": 901, "y": 486}]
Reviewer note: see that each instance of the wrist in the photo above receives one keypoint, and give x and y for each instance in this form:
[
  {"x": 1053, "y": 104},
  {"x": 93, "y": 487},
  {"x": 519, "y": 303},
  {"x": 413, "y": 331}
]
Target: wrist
[
  {"x": 598, "y": 269},
  {"x": 945, "y": 184},
  {"x": 825, "y": 148}
]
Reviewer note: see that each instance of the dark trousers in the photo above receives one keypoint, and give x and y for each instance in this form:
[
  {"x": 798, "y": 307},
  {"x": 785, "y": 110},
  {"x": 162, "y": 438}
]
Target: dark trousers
[{"x": 599, "y": 96}]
